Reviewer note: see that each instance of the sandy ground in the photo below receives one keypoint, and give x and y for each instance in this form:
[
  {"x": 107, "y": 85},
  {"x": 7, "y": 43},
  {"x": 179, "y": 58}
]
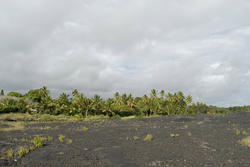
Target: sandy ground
[{"x": 177, "y": 141}]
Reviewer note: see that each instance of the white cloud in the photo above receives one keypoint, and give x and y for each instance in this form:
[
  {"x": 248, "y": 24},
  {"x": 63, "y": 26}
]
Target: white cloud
[{"x": 199, "y": 47}]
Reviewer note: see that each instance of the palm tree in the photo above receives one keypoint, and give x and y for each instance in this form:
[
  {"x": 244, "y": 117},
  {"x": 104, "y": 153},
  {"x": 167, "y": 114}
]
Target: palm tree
[
  {"x": 96, "y": 103},
  {"x": 2, "y": 92},
  {"x": 44, "y": 92},
  {"x": 75, "y": 92},
  {"x": 189, "y": 99},
  {"x": 162, "y": 93},
  {"x": 107, "y": 107},
  {"x": 153, "y": 94}
]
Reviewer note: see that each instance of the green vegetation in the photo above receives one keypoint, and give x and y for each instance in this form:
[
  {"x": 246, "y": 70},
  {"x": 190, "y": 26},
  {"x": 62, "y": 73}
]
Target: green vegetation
[
  {"x": 237, "y": 131},
  {"x": 32, "y": 148},
  {"x": 38, "y": 141},
  {"x": 2, "y": 92},
  {"x": 149, "y": 137},
  {"x": 46, "y": 128},
  {"x": 22, "y": 152},
  {"x": 61, "y": 138},
  {"x": 245, "y": 141},
  {"x": 135, "y": 137},
  {"x": 11, "y": 126},
  {"x": 244, "y": 132},
  {"x": 50, "y": 138},
  {"x": 39, "y": 101},
  {"x": 10, "y": 153},
  {"x": 174, "y": 135},
  {"x": 69, "y": 141},
  {"x": 85, "y": 129}
]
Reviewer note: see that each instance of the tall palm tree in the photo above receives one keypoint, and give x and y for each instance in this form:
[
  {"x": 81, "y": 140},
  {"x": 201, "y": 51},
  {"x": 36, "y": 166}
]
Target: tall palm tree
[
  {"x": 2, "y": 92},
  {"x": 153, "y": 94},
  {"x": 189, "y": 99},
  {"x": 96, "y": 106},
  {"x": 75, "y": 92},
  {"x": 44, "y": 92},
  {"x": 162, "y": 93}
]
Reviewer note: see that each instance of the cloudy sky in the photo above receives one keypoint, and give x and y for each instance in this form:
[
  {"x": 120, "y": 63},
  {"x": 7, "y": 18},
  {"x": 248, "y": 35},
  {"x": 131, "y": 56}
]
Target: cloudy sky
[{"x": 102, "y": 46}]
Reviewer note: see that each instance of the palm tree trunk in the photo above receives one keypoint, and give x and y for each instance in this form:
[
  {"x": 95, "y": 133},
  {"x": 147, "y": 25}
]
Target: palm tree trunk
[{"x": 86, "y": 113}]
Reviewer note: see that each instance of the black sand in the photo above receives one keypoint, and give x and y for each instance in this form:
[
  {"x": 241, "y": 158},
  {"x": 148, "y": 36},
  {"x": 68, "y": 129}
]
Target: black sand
[{"x": 201, "y": 140}]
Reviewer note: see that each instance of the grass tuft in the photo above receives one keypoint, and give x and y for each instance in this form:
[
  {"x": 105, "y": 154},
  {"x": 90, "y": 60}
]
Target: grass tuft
[
  {"x": 174, "y": 135},
  {"x": 135, "y": 137},
  {"x": 127, "y": 118},
  {"x": 69, "y": 141},
  {"x": 61, "y": 138},
  {"x": 244, "y": 132},
  {"x": 22, "y": 152},
  {"x": 10, "y": 153},
  {"x": 50, "y": 138},
  {"x": 237, "y": 131},
  {"x": 149, "y": 137},
  {"x": 46, "y": 128},
  {"x": 85, "y": 129},
  {"x": 245, "y": 141},
  {"x": 38, "y": 141}
]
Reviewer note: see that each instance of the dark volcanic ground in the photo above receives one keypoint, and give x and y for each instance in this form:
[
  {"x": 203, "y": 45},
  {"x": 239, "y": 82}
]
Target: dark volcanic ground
[{"x": 204, "y": 140}]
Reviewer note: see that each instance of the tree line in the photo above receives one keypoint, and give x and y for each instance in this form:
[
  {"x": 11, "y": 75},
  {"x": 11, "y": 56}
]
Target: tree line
[{"x": 155, "y": 103}]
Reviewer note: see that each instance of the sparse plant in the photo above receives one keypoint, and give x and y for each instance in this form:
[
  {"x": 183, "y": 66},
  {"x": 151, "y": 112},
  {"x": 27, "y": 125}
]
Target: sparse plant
[
  {"x": 174, "y": 135},
  {"x": 186, "y": 126},
  {"x": 237, "y": 132},
  {"x": 189, "y": 134},
  {"x": 149, "y": 137},
  {"x": 69, "y": 141},
  {"x": 135, "y": 137},
  {"x": 244, "y": 132},
  {"x": 245, "y": 141},
  {"x": 38, "y": 141},
  {"x": 127, "y": 138},
  {"x": 50, "y": 138},
  {"x": 10, "y": 153},
  {"x": 46, "y": 128},
  {"x": 22, "y": 152},
  {"x": 61, "y": 138},
  {"x": 32, "y": 148},
  {"x": 85, "y": 129}
]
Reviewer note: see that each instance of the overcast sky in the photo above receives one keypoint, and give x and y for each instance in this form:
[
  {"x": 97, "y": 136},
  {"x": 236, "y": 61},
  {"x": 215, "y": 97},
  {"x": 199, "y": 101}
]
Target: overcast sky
[{"x": 102, "y": 46}]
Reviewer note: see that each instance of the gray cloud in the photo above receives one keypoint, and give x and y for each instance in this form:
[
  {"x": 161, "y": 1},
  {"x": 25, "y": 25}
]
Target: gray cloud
[{"x": 198, "y": 47}]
